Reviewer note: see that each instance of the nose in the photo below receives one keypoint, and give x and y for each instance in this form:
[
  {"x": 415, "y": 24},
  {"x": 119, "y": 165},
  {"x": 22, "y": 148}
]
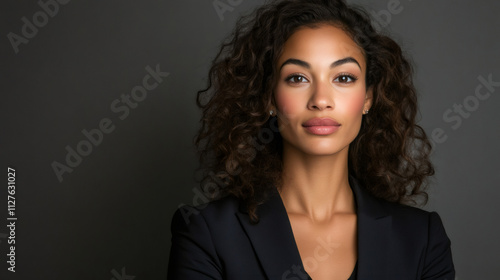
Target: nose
[{"x": 321, "y": 97}]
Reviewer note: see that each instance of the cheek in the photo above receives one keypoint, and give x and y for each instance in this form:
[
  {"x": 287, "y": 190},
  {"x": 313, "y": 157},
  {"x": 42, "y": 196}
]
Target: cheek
[
  {"x": 290, "y": 106},
  {"x": 287, "y": 103},
  {"x": 353, "y": 105}
]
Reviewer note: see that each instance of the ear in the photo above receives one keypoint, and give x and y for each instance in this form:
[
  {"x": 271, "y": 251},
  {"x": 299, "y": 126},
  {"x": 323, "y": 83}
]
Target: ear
[
  {"x": 273, "y": 105},
  {"x": 271, "y": 108},
  {"x": 368, "y": 99}
]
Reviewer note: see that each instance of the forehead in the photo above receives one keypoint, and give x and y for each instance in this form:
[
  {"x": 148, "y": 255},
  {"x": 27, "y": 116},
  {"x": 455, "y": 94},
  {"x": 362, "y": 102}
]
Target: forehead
[{"x": 323, "y": 43}]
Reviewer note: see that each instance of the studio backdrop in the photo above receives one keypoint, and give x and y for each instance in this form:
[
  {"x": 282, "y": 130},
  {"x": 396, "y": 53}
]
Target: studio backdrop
[{"x": 98, "y": 116}]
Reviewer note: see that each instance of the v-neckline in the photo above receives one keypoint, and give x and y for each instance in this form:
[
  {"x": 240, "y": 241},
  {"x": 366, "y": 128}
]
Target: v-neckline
[
  {"x": 354, "y": 271},
  {"x": 276, "y": 249}
]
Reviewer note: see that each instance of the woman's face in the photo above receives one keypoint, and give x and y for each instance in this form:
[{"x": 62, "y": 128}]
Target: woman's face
[{"x": 321, "y": 93}]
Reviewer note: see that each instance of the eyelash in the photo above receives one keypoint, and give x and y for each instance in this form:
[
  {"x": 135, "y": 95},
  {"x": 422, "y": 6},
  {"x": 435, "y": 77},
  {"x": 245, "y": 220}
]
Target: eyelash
[{"x": 348, "y": 75}]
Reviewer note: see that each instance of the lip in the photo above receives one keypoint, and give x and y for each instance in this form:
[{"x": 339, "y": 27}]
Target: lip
[
  {"x": 321, "y": 126},
  {"x": 321, "y": 122}
]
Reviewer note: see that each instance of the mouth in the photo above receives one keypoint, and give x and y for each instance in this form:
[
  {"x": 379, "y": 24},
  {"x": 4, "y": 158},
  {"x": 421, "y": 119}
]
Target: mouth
[{"x": 321, "y": 126}]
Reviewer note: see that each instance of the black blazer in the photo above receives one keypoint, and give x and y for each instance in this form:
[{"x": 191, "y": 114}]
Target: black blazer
[{"x": 217, "y": 241}]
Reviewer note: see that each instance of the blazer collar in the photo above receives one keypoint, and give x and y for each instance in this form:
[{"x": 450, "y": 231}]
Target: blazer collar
[
  {"x": 274, "y": 244},
  {"x": 374, "y": 232},
  {"x": 272, "y": 239}
]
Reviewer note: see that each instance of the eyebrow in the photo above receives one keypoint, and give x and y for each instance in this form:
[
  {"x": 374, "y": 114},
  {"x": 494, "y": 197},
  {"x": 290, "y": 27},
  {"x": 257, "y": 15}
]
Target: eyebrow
[{"x": 304, "y": 64}]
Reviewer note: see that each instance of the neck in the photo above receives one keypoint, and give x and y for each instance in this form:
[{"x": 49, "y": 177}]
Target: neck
[{"x": 316, "y": 186}]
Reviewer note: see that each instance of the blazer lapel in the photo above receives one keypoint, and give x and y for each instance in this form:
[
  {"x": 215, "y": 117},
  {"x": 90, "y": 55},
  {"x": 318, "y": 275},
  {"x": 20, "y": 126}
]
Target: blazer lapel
[
  {"x": 374, "y": 228},
  {"x": 274, "y": 244},
  {"x": 273, "y": 241}
]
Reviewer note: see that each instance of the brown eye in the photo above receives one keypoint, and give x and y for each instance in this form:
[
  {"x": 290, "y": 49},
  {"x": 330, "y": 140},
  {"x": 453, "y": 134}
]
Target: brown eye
[
  {"x": 345, "y": 79},
  {"x": 296, "y": 79}
]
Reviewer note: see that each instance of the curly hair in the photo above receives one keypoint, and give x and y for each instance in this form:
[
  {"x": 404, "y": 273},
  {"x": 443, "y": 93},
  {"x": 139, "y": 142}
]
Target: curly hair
[{"x": 239, "y": 144}]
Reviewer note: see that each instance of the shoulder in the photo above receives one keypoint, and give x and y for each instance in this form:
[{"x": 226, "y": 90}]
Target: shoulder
[
  {"x": 198, "y": 235},
  {"x": 413, "y": 220},
  {"x": 408, "y": 223},
  {"x": 376, "y": 208},
  {"x": 424, "y": 231},
  {"x": 405, "y": 212},
  {"x": 413, "y": 234},
  {"x": 219, "y": 211}
]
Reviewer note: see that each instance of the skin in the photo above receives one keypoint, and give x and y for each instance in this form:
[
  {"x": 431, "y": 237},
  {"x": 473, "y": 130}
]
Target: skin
[{"x": 316, "y": 192}]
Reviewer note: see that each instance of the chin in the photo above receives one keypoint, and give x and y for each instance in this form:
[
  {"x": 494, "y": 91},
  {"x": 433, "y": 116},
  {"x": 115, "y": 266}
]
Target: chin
[{"x": 323, "y": 149}]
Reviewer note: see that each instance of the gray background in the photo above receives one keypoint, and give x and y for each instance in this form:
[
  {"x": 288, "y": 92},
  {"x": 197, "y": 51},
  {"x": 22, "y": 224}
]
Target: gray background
[{"x": 110, "y": 217}]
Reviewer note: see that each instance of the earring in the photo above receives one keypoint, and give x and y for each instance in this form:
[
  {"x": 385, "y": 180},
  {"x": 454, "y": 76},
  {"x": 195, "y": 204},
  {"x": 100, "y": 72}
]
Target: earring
[
  {"x": 366, "y": 111},
  {"x": 271, "y": 112}
]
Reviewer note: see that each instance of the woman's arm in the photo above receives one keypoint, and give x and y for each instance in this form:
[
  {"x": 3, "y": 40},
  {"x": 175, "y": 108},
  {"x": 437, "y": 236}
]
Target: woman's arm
[
  {"x": 192, "y": 255},
  {"x": 438, "y": 263}
]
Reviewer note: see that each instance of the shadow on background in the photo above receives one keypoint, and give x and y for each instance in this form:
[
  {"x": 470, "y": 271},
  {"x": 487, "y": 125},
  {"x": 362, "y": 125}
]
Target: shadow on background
[{"x": 98, "y": 117}]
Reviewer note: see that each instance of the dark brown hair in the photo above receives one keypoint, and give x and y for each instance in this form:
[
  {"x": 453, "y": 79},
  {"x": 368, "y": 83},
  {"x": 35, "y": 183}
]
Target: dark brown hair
[{"x": 239, "y": 144}]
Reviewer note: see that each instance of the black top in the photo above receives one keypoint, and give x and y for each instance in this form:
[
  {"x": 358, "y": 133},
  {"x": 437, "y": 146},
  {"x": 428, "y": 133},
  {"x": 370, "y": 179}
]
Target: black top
[
  {"x": 352, "y": 277},
  {"x": 354, "y": 273},
  {"x": 218, "y": 241}
]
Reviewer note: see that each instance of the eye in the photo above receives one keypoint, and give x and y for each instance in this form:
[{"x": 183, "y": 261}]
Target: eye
[
  {"x": 345, "y": 78},
  {"x": 296, "y": 79}
]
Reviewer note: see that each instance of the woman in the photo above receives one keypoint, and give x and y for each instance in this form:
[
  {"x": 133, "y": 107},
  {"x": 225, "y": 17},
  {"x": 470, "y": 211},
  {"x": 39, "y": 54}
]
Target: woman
[{"x": 311, "y": 146}]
